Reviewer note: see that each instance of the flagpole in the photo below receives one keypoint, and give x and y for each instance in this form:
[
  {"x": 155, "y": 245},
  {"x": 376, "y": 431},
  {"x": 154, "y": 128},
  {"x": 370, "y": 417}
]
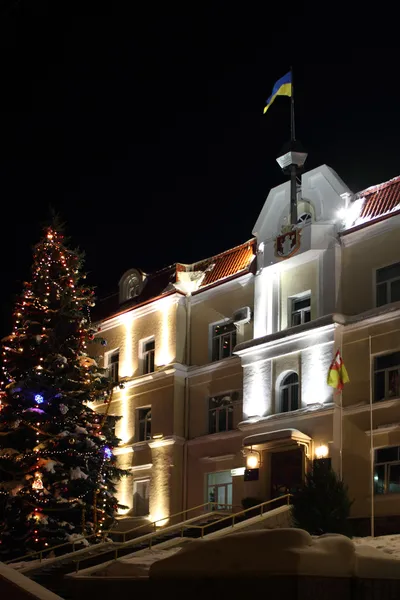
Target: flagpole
[
  {"x": 341, "y": 416},
  {"x": 293, "y": 166},
  {"x": 371, "y": 449},
  {"x": 292, "y": 124}
]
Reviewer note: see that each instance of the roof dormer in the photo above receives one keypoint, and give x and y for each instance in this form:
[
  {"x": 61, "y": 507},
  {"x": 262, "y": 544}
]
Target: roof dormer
[{"x": 131, "y": 285}]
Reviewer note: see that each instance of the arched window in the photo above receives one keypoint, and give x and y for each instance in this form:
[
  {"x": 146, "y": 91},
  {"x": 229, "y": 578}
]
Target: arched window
[
  {"x": 133, "y": 287},
  {"x": 289, "y": 393},
  {"x": 304, "y": 218},
  {"x": 130, "y": 285}
]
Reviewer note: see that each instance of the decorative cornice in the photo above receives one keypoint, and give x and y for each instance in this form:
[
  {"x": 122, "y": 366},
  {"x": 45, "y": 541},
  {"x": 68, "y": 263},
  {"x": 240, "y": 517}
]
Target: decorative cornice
[
  {"x": 280, "y": 418},
  {"x": 195, "y": 371},
  {"x": 385, "y": 314},
  {"x": 232, "y": 281},
  {"x": 167, "y": 441},
  {"x": 136, "y": 312},
  {"x": 140, "y": 467},
  {"x": 220, "y": 458},
  {"x": 360, "y": 408},
  {"x": 378, "y": 226},
  {"x": 214, "y": 437}
]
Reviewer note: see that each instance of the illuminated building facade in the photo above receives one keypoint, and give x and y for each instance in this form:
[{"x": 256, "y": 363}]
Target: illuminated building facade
[{"x": 225, "y": 361}]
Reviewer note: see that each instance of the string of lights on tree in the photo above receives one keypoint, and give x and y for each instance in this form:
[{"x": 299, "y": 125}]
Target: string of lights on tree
[{"x": 57, "y": 467}]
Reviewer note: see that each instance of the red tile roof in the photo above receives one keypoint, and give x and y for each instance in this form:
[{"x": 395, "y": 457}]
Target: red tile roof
[
  {"x": 228, "y": 263},
  {"x": 380, "y": 199}
]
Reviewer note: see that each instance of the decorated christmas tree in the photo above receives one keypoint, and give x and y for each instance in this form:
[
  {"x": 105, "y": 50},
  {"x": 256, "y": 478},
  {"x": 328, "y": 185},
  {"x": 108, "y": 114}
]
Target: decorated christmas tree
[{"x": 57, "y": 468}]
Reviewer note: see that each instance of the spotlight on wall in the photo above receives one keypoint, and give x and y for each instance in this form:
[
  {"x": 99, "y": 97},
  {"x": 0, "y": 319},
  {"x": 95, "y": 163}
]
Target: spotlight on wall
[{"x": 322, "y": 451}]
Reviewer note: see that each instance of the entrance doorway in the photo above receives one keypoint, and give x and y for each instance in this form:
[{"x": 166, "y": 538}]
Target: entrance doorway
[
  {"x": 286, "y": 472},
  {"x": 219, "y": 489}
]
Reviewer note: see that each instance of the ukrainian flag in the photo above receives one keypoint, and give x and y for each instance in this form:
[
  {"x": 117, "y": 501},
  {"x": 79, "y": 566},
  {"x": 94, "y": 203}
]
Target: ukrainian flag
[{"x": 283, "y": 87}]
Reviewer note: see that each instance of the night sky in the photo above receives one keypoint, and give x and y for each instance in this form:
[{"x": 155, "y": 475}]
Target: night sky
[{"x": 145, "y": 131}]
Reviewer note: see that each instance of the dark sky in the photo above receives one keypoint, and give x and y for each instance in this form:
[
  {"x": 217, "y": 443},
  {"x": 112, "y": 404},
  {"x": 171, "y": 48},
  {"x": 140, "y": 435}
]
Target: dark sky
[{"x": 145, "y": 130}]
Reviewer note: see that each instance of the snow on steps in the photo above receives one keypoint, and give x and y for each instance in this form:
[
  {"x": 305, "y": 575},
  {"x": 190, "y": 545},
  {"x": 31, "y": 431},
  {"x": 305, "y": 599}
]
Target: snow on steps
[
  {"x": 138, "y": 563},
  {"x": 16, "y": 585}
]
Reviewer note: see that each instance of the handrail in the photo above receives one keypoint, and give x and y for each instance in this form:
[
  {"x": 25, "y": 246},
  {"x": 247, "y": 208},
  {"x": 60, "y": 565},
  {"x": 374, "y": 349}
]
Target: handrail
[
  {"x": 233, "y": 516},
  {"x": 39, "y": 553},
  {"x": 186, "y": 525}
]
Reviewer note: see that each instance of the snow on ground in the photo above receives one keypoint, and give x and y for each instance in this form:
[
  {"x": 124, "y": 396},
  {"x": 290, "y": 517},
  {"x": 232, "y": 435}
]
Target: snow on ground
[
  {"x": 390, "y": 544},
  {"x": 136, "y": 566}
]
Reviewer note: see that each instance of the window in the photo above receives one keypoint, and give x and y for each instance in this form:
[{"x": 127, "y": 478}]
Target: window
[
  {"x": 219, "y": 489},
  {"x": 304, "y": 218},
  {"x": 220, "y": 412},
  {"x": 289, "y": 393},
  {"x": 144, "y": 424},
  {"x": 141, "y": 497},
  {"x": 388, "y": 284},
  {"x": 223, "y": 340},
  {"x": 113, "y": 365},
  {"x": 133, "y": 287},
  {"x": 301, "y": 310},
  {"x": 387, "y": 470},
  {"x": 387, "y": 376},
  {"x": 148, "y": 352}
]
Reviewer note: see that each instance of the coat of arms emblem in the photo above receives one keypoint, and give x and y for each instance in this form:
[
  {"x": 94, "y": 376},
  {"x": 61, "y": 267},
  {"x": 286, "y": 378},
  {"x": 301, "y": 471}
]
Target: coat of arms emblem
[{"x": 288, "y": 243}]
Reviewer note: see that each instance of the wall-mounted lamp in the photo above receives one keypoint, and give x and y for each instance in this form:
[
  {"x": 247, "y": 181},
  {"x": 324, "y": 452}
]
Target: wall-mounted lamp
[
  {"x": 322, "y": 451},
  {"x": 253, "y": 459}
]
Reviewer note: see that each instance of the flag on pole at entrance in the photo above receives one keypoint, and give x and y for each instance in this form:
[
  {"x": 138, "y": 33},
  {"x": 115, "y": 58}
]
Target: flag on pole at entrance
[
  {"x": 337, "y": 375},
  {"x": 283, "y": 87}
]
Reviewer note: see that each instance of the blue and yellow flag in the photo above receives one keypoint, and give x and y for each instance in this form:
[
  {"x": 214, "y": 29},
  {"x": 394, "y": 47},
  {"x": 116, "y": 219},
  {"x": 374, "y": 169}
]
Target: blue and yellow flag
[{"x": 283, "y": 87}]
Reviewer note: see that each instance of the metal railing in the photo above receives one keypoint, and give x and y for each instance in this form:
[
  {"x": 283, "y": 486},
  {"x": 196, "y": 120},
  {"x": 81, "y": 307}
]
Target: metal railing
[
  {"x": 154, "y": 524},
  {"x": 188, "y": 524},
  {"x": 234, "y": 516}
]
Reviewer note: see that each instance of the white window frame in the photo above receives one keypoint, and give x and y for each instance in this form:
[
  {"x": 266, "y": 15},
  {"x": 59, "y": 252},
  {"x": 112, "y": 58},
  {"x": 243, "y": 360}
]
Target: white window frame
[
  {"x": 387, "y": 465},
  {"x": 225, "y": 408},
  {"x": 289, "y": 386},
  {"x": 388, "y": 282},
  {"x": 144, "y": 354},
  {"x": 302, "y": 311},
  {"x": 211, "y": 338},
  {"x": 215, "y": 487},
  {"x": 145, "y": 420},
  {"x": 386, "y": 371},
  {"x": 135, "y": 482},
  {"x": 109, "y": 365}
]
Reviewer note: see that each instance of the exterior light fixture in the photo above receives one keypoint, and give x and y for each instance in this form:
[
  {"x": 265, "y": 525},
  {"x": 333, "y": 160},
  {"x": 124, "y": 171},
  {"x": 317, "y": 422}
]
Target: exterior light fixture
[
  {"x": 253, "y": 460},
  {"x": 322, "y": 451}
]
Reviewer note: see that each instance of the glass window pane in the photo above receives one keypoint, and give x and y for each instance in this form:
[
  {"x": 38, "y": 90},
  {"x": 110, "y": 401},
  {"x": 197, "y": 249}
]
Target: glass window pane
[
  {"x": 393, "y": 383},
  {"x": 215, "y": 348},
  {"x": 221, "y": 420},
  {"x": 151, "y": 362},
  {"x": 387, "y": 360},
  {"x": 390, "y": 272},
  {"x": 381, "y": 294},
  {"x": 223, "y": 477},
  {"x": 230, "y": 418},
  {"x": 296, "y": 319},
  {"x": 226, "y": 349},
  {"x": 284, "y": 400},
  {"x": 150, "y": 345},
  {"x": 394, "y": 479},
  {"x": 387, "y": 454},
  {"x": 291, "y": 378},
  {"x": 379, "y": 479},
  {"x": 307, "y": 316},
  {"x": 295, "y": 397},
  {"x": 395, "y": 291},
  {"x": 379, "y": 386},
  {"x": 212, "y": 422},
  {"x": 301, "y": 303}
]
